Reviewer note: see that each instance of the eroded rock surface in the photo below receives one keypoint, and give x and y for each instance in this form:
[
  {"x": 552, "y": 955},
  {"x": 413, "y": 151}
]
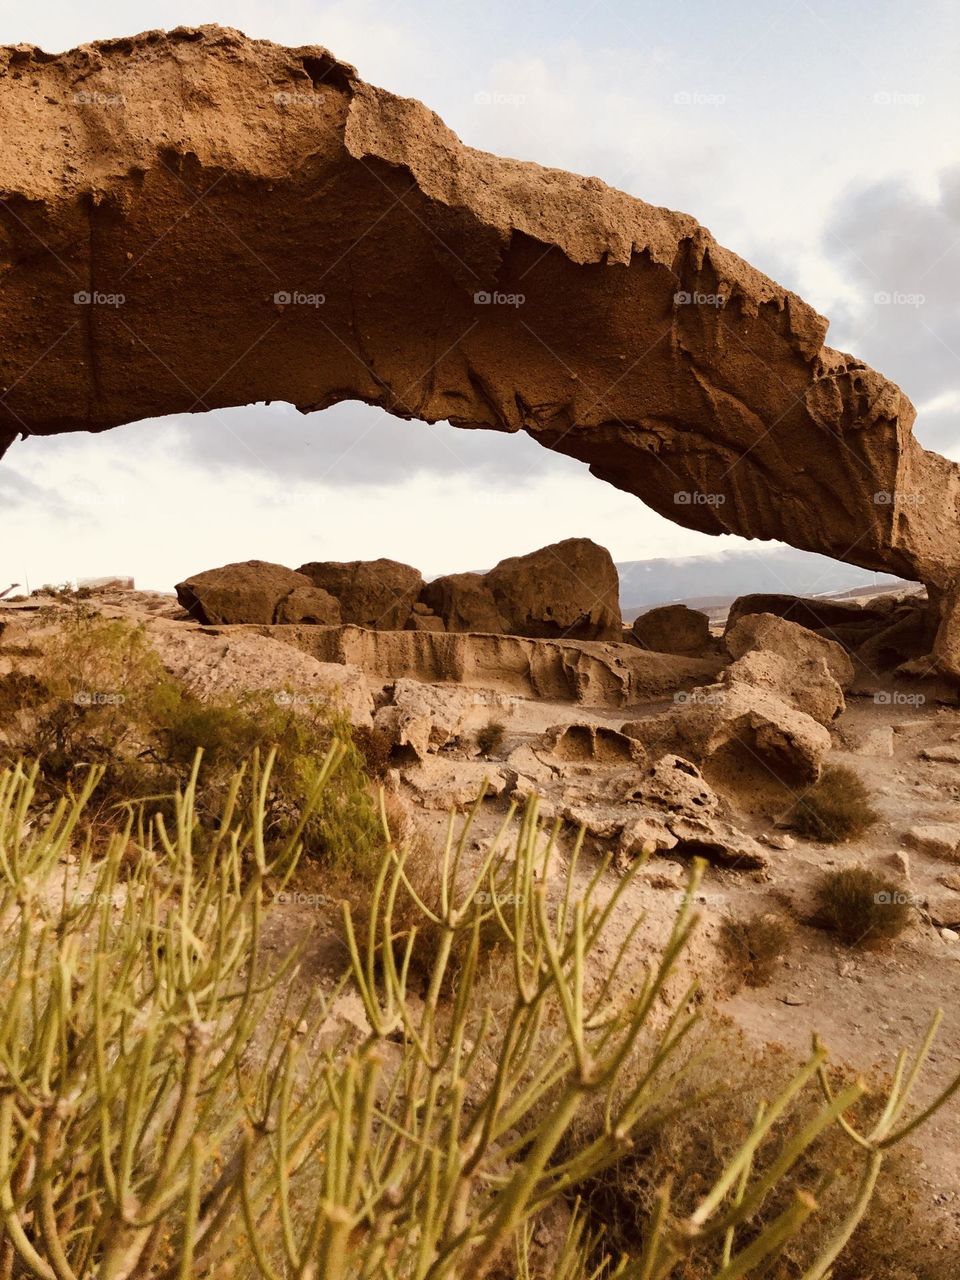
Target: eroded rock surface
[
  {"x": 674, "y": 628},
  {"x": 333, "y": 241},
  {"x": 371, "y": 593}
]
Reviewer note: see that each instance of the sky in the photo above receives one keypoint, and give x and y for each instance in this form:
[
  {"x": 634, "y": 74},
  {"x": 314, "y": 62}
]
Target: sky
[{"x": 818, "y": 140}]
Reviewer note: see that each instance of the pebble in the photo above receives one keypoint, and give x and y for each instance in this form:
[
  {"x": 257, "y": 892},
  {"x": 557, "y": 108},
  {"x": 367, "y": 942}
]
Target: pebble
[{"x": 950, "y": 935}]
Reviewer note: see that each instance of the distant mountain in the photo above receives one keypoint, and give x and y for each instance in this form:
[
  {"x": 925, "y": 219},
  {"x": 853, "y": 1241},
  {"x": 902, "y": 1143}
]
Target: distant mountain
[{"x": 713, "y": 581}]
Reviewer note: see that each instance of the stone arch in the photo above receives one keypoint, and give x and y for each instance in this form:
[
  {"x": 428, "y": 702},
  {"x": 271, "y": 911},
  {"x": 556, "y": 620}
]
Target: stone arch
[{"x": 194, "y": 220}]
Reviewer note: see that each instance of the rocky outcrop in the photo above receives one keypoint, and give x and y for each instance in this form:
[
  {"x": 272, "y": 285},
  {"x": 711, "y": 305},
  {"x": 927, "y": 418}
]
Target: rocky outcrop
[
  {"x": 464, "y": 602},
  {"x": 763, "y": 731},
  {"x": 794, "y": 643},
  {"x": 674, "y": 628},
  {"x": 256, "y": 591},
  {"x": 808, "y": 611},
  {"x": 591, "y": 672},
  {"x": 806, "y": 684},
  {"x": 333, "y": 241},
  {"x": 570, "y": 591},
  {"x": 371, "y": 593}
]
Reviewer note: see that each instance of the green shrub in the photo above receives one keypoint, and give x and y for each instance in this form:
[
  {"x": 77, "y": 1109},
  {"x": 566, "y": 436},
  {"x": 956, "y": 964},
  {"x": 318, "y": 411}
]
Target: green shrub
[
  {"x": 490, "y": 737},
  {"x": 754, "y": 945},
  {"x": 837, "y": 808},
  {"x": 178, "y": 1107},
  {"x": 863, "y": 907}
]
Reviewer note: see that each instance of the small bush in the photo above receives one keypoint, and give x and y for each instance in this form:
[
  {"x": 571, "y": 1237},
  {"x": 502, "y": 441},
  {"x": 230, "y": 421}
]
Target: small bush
[
  {"x": 837, "y": 808},
  {"x": 490, "y": 737},
  {"x": 863, "y": 907},
  {"x": 376, "y": 747},
  {"x": 754, "y": 945}
]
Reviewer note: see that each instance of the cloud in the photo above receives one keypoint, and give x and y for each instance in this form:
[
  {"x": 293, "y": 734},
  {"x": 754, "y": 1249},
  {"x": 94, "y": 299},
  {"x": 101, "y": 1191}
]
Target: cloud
[
  {"x": 356, "y": 445},
  {"x": 899, "y": 249}
]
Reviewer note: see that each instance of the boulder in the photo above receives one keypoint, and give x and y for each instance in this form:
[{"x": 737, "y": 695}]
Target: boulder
[
  {"x": 453, "y": 784},
  {"x": 807, "y": 611},
  {"x": 674, "y": 628},
  {"x": 464, "y": 603},
  {"x": 570, "y": 590},
  {"x": 938, "y": 839},
  {"x": 791, "y": 641},
  {"x": 256, "y": 591},
  {"x": 372, "y": 593},
  {"x": 426, "y": 717},
  {"x": 805, "y": 682},
  {"x": 677, "y": 785},
  {"x": 782, "y": 740}
]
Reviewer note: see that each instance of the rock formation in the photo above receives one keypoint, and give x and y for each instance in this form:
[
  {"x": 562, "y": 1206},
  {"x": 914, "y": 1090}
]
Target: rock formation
[
  {"x": 371, "y": 593},
  {"x": 674, "y": 628},
  {"x": 331, "y": 241},
  {"x": 256, "y": 591}
]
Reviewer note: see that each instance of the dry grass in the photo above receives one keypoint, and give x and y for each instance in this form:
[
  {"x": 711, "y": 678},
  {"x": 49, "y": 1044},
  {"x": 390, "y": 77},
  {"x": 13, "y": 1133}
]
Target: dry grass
[
  {"x": 489, "y": 737},
  {"x": 837, "y": 808},
  {"x": 754, "y": 945},
  {"x": 863, "y": 907}
]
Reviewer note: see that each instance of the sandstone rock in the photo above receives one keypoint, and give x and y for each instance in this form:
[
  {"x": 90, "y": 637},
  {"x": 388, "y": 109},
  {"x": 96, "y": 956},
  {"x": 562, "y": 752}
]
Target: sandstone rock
[
  {"x": 425, "y": 622},
  {"x": 589, "y": 744},
  {"x": 805, "y": 682},
  {"x": 900, "y": 862},
  {"x": 256, "y": 591},
  {"x": 426, "y": 717},
  {"x": 674, "y": 628},
  {"x": 944, "y": 754},
  {"x": 776, "y": 736},
  {"x": 453, "y": 784},
  {"x": 569, "y": 590},
  {"x": 938, "y": 839},
  {"x": 718, "y": 841},
  {"x": 778, "y": 840},
  {"x": 609, "y": 286},
  {"x": 677, "y": 785},
  {"x": 465, "y": 603},
  {"x": 372, "y": 593},
  {"x": 809, "y": 612},
  {"x": 791, "y": 641},
  {"x": 590, "y": 672},
  {"x": 237, "y": 662}
]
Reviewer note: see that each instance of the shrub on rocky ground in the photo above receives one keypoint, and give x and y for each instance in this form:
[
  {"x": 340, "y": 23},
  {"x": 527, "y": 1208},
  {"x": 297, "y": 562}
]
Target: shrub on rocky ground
[
  {"x": 836, "y": 808},
  {"x": 755, "y": 944},
  {"x": 863, "y": 907},
  {"x": 490, "y": 737}
]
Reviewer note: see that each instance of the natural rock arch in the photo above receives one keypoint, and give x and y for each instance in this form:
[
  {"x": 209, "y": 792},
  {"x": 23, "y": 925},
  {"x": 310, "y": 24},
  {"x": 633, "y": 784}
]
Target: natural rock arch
[{"x": 187, "y": 181}]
